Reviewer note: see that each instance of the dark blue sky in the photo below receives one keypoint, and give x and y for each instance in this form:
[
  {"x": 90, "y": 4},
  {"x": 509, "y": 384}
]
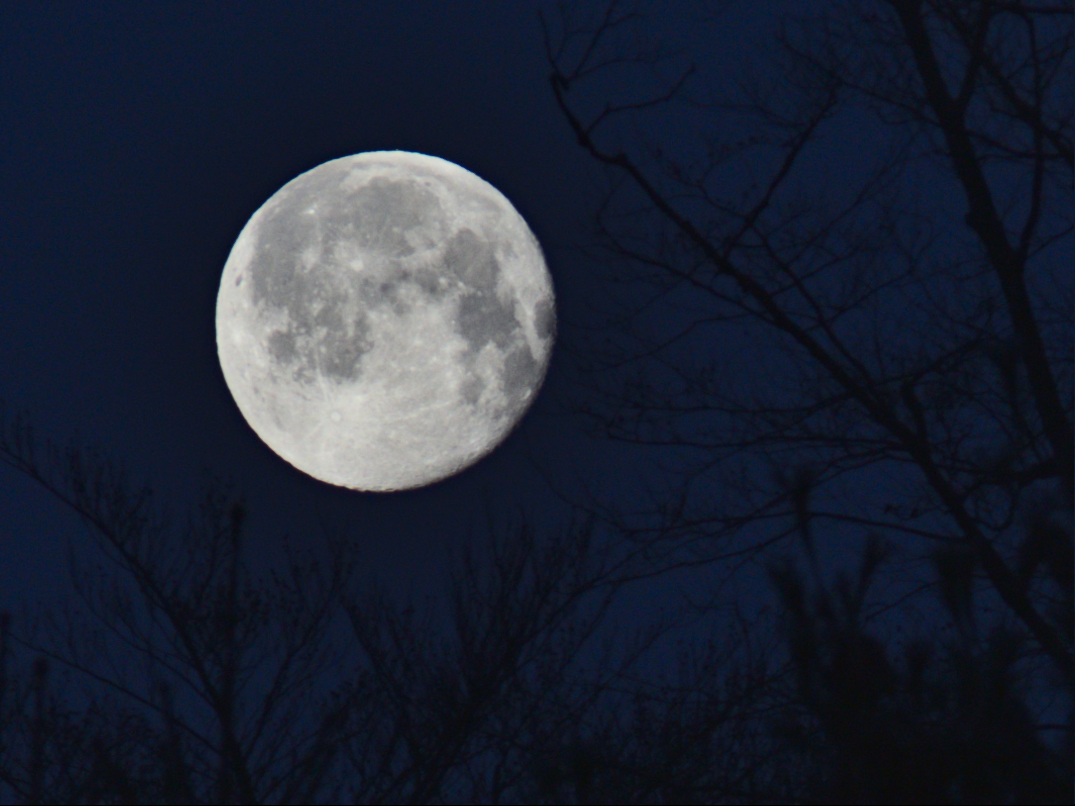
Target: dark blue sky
[
  {"x": 137, "y": 142},
  {"x": 139, "y": 139}
]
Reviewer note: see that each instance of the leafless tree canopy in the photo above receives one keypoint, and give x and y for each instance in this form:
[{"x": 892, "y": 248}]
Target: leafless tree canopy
[
  {"x": 176, "y": 673},
  {"x": 864, "y": 298},
  {"x": 845, "y": 297}
]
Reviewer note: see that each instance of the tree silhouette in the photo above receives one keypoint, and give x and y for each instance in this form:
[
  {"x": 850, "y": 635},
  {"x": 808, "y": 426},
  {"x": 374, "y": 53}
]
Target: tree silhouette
[
  {"x": 902, "y": 359},
  {"x": 204, "y": 682},
  {"x": 948, "y": 722},
  {"x": 177, "y": 673},
  {"x": 916, "y": 320}
]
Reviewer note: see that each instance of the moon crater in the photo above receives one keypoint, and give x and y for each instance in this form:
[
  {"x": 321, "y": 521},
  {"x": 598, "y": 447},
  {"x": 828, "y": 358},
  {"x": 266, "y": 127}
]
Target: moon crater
[{"x": 384, "y": 320}]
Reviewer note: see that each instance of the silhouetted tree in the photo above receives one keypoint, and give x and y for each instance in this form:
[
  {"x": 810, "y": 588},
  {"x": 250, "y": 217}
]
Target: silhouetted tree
[
  {"x": 844, "y": 299},
  {"x": 948, "y": 722},
  {"x": 901, "y": 334},
  {"x": 176, "y": 672},
  {"x": 196, "y": 679}
]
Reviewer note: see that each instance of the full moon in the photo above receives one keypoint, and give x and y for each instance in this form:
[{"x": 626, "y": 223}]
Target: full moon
[{"x": 384, "y": 320}]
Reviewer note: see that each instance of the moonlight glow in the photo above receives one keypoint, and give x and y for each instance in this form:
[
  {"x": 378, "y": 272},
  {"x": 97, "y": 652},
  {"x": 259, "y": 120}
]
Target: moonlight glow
[{"x": 384, "y": 320}]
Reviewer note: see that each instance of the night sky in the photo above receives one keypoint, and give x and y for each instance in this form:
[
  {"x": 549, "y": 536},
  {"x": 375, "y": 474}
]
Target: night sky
[{"x": 137, "y": 143}]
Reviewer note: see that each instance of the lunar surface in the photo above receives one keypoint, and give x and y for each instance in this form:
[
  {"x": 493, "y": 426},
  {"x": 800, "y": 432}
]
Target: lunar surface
[{"x": 384, "y": 320}]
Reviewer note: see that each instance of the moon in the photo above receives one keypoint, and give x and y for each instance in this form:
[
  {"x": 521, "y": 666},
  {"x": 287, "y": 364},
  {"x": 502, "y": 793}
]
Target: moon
[{"x": 384, "y": 320}]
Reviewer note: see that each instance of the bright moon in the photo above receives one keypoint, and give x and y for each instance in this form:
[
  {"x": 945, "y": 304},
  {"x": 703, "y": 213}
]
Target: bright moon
[{"x": 384, "y": 320}]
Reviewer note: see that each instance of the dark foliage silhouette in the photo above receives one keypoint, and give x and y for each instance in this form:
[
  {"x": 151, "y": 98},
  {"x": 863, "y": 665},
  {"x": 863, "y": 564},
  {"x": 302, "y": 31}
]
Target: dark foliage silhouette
[{"x": 947, "y": 722}]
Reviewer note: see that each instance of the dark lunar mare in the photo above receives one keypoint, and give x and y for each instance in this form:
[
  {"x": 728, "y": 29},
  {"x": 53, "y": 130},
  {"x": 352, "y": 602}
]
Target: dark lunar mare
[
  {"x": 322, "y": 304},
  {"x": 483, "y": 318},
  {"x": 325, "y": 308}
]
